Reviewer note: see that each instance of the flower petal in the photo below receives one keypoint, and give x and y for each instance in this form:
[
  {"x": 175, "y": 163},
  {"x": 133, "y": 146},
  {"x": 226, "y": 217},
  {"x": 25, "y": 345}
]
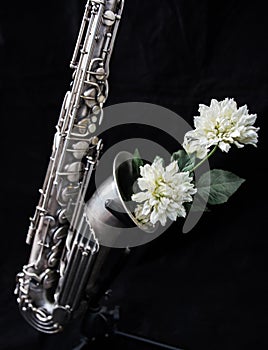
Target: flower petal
[{"x": 140, "y": 197}]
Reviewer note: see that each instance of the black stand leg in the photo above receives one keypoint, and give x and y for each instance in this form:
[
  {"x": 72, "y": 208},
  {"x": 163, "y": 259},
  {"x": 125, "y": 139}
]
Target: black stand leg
[
  {"x": 146, "y": 340},
  {"x": 83, "y": 343},
  {"x": 102, "y": 323}
]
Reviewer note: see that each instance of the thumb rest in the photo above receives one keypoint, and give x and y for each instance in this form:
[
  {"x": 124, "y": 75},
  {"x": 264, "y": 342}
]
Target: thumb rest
[{"x": 65, "y": 272}]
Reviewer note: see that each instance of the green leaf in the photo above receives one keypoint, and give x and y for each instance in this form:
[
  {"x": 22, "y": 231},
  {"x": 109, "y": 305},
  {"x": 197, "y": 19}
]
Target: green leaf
[
  {"x": 197, "y": 205},
  {"x": 185, "y": 161},
  {"x": 136, "y": 163},
  {"x": 218, "y": 186}
]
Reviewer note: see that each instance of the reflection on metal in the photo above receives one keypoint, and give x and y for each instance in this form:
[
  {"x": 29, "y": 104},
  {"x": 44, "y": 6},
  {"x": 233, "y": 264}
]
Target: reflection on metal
[{"x": 50, "y": 287}]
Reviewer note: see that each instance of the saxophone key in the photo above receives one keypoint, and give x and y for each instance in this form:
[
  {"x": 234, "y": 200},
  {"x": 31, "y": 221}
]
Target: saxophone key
[
  {"x": 68, "y": 193},
  {"x": 73, "y": 171},
  {"x": 30, "y": 234},
  {"x": 109, "y": 18},
  {"x": 82, "y": 112},
  {"x": 101, "y": 98},
  {"x": 60, "y": 234},
  {"x": 49, "y": 279},
  {"x": 92, "y": 128},
  {"x": 95, "y": 140},
  {"x": 80, "y": 149},
  {"x": 100, "y": 73},
  {"x": 81, "y": 127},
  {"x": 62, "y": 217},
  {"x": 96, "y": 109},
  {"x": 90, "y": 97}
]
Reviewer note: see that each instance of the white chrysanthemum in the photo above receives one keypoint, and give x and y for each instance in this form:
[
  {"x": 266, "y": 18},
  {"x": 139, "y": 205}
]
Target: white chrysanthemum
[
  {"x": 222, "y": 124},
  {"x": 164, "y": 190},
  {"x": 143, "y": 219}
]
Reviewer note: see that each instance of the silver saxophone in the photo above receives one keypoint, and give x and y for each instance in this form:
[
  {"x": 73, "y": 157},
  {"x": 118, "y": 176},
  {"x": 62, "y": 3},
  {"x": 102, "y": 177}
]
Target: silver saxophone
[{"x": 65, "y": 269}]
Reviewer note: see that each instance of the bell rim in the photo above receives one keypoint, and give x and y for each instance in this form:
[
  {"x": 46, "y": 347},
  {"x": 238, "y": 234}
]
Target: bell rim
[{"x": 124, "y": 156}]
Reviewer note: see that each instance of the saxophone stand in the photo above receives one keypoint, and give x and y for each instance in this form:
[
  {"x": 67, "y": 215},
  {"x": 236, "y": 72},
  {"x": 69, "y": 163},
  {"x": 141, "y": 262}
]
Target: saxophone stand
[{"x": 100, "y": 329}]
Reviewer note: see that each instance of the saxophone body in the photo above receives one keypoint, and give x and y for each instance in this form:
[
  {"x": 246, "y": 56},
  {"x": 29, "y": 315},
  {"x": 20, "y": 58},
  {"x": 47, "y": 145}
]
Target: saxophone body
[{"x": 66, "y": 257}]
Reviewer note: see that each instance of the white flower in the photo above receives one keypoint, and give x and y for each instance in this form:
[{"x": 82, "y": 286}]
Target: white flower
[
  {"x": 222, "y": 124},
  {"x": 143, "y": 219},
  {"x": 164, "y": 190}
]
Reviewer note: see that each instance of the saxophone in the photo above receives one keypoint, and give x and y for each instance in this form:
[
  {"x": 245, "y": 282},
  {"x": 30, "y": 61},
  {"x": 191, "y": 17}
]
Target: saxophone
[{"x": 65, "y": 270}]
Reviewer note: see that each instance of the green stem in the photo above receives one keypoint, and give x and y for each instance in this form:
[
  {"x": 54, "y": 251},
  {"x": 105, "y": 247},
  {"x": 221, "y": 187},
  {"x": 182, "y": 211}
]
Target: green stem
[{"x": 203, "y": 160}]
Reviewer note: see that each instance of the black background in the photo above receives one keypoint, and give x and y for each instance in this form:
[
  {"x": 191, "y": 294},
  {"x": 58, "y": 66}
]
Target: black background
[{"x": 203, "y": 290}]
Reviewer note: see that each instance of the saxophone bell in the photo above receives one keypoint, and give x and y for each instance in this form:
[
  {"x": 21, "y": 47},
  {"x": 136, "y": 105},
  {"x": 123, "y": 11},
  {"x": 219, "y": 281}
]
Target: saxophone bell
[{"x": 109, "y": 211}]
